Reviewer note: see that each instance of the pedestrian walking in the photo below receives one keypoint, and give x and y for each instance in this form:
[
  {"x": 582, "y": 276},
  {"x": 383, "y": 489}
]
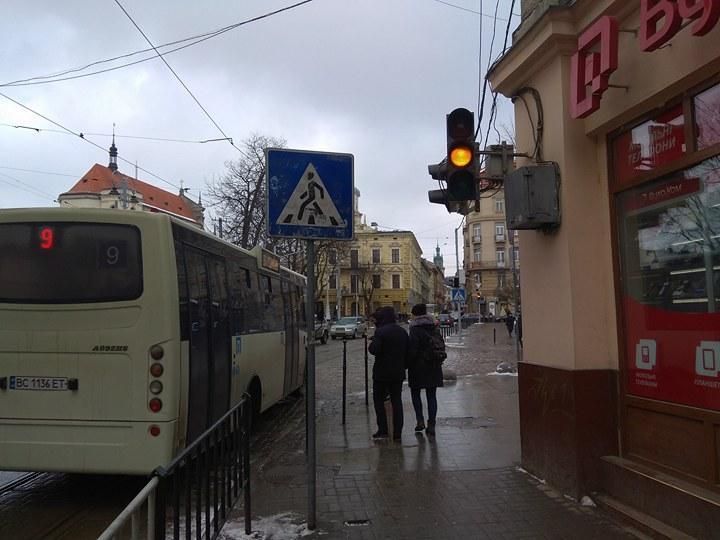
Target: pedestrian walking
[
  {"x": 389, "y": 345},
  {"x": 509, "y": 323},
  {"x": 425, "y": 358},
  {"x": 518, "y": 328}
]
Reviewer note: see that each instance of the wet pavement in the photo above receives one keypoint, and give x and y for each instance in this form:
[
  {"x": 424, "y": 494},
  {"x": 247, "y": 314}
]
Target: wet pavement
[{"x": 463, "y": 483}]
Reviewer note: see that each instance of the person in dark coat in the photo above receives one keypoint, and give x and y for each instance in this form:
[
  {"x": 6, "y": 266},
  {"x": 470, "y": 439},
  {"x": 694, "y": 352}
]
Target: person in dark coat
[
  {"x": 421, "y": 374},
  {"x": 518, "y": 326},
  {"x": 389, "y": 345},
  {"x": 509, "y": 323}
]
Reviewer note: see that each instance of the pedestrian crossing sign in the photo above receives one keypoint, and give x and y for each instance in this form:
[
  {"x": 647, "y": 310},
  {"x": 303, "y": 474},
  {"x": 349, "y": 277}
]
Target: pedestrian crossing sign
[
  {"x": 458, "y": 295},
  {"x": 309, "y": 194}
]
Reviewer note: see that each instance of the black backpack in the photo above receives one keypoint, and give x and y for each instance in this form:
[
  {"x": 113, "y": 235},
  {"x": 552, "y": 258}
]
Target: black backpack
[{"x": 434, "y": 348}]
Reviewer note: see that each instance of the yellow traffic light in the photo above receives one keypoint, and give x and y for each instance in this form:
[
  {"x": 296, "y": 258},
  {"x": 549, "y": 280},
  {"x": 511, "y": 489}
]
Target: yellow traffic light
[{"x": 461, "y": 156}]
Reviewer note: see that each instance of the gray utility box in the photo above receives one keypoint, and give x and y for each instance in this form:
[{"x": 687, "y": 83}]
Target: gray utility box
[{"x": 532, "y": 197}]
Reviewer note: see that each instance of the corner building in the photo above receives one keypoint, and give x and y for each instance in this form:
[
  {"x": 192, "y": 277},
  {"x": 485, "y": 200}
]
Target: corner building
[{"x": 620, "y": 385}]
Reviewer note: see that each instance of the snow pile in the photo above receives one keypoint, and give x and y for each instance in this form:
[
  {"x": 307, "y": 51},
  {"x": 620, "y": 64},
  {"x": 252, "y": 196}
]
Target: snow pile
[
  {"x": 285, "y": 526},
  {"x": 503, "y": 374},
  {"x": 587, "y": 501}
]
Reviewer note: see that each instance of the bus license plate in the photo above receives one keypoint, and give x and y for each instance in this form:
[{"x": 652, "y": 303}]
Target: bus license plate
[{"x": 38, "y": 383}]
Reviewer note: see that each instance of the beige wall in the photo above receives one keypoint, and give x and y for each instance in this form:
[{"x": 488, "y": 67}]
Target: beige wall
[{"x": 568, "y": 285}]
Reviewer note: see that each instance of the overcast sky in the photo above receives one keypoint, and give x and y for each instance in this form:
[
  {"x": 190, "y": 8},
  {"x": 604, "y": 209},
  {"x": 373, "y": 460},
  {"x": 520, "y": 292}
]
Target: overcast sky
[{"x": 374, "y": 78}]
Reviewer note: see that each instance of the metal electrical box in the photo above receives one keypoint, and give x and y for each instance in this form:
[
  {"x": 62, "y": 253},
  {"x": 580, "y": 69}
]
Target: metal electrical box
[{"x": 532, "y": 197}]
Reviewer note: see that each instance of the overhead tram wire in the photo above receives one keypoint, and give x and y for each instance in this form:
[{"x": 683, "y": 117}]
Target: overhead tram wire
[
  {"x": 475, "y": 12},
  {"x": 26, "y": 187},
  {"x": 80, "y": 136},
  {"x": 195, "y": 40},
  {"x": 182, "y": 83},
  {"x": 116, "y": 135},
  {"x": 484, "y": 80},
  {"x": 37, "y": 172}
]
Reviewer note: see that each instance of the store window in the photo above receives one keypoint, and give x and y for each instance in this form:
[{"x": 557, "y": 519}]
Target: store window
[
  {"x": 653, "y": 143},
  {"x": 707, "y": 117},
  {"x": 669, "y": 233}
]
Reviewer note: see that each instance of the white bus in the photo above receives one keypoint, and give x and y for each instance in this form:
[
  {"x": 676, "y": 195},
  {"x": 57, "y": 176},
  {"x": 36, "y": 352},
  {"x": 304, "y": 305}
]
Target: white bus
[{"x": 124, "y": 335}]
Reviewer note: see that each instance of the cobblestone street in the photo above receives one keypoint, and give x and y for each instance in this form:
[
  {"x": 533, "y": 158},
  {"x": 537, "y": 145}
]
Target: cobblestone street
[{"x": 465, "y": 483}]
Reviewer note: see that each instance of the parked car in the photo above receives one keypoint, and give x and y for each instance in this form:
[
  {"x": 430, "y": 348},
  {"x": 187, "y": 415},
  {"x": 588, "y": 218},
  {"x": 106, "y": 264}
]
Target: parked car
[
  {"x": 321, "y": 331},
  {"x": 349, "y": 327},
  {"x": 445, "y": 319}
]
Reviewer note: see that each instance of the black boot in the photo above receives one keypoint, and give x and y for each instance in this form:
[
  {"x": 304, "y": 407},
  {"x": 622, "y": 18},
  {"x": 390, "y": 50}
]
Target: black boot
[{"x": 430, "y": 430}]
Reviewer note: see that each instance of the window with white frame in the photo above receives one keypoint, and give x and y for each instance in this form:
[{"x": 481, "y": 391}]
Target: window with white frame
[
  {"x": 396, "y": 255},
  {"x": 501, "y": 280},
  {"x": 477, "y": 232},
  {"x": 516, "y": 254},
  {"x": 477, "y": 254},
  {"x": 499, "y": 206},
  {"x": 500, "y": 256},
  {"x": 500, "y": 229}
]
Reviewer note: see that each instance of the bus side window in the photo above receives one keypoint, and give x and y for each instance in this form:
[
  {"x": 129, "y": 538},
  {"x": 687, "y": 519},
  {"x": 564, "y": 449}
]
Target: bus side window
[
  {"x": 182, "y": 292},
  {"x": 276, "y": 306},
  {"x": 239, "y": 284}
]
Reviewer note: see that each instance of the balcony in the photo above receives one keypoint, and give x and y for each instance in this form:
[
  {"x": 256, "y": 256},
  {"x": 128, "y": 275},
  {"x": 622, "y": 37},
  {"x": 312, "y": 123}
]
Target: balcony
[
  {"x": 477, "y": 239},
  {"x": 499, "y": 237},
  {"x": 500, "y": 264}
]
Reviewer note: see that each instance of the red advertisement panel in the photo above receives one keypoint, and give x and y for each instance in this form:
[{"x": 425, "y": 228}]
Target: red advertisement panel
[
  {"x": 673, "y": 356},
  {"x": 656, "y": 142},
  {"x": 670, "y": 260}
]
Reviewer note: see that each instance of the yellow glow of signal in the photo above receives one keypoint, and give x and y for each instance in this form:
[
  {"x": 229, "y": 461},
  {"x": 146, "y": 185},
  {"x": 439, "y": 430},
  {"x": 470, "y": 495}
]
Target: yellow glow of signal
[{"x": 461, "y": 156}]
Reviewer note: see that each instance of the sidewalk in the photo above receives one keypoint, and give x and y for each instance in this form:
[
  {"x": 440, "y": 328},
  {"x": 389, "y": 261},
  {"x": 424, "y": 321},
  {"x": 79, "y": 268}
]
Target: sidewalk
[{"x": 464, "y": 483}]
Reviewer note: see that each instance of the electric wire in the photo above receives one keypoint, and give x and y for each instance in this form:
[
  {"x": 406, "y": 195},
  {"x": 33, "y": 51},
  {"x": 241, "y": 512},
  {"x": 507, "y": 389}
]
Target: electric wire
[
  {"x": 182, "y": 83},
  {"x": 37, "y": 172},
  {"x": 80, "y": 136},
  {"x": 26, "y": 187},
  {"x": 473, "y": 11},
  {"x": 485, "y": 81},
  {"x": 116, "y": 135},
  {"x": 195, "y": 40}
]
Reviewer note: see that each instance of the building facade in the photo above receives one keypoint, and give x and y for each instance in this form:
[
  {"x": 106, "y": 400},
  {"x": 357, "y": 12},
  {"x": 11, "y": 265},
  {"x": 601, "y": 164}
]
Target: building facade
[
  {"x": 491, "y": 259},
  {"x": 620, "y": 385},
  {"x": 107, "y": 187},
  {"x": 376, "y": 269}
]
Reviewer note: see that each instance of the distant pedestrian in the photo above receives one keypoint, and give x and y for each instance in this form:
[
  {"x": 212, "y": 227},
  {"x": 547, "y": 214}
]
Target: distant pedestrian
[
  {"x": 518, "y": 328},
  {"x": 509, "y": 323},
  {"x": 425, "y": 358},
  {"x": 389, "y": 345}
]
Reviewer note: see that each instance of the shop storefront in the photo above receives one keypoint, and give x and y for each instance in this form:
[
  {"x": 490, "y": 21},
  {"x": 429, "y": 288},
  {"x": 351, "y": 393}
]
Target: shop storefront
[{"x": 625, "y": 97}]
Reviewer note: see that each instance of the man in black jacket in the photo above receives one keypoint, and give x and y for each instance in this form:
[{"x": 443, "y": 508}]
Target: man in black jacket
[{"x": 389, "y": 346}]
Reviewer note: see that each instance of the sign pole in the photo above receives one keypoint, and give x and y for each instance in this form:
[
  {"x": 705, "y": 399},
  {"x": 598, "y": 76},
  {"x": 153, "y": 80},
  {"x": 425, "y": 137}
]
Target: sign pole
[{"x": 310, "y": 390}]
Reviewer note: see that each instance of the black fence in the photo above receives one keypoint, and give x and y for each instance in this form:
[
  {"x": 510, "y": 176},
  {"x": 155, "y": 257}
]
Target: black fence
[{"x": 197, "y": 490}]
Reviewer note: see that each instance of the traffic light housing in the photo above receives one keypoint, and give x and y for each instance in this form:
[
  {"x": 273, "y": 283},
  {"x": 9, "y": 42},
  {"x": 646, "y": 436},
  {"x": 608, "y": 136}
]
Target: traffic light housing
[{"x": 461, "y": 163}]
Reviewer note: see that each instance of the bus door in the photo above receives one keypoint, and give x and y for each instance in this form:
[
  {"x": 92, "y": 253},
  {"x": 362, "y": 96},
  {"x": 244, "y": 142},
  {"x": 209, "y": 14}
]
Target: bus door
[
  {"x": 219, "y": 339},
  {"x": 290, "y": 329},
  {"x": 199, "y": 313}
]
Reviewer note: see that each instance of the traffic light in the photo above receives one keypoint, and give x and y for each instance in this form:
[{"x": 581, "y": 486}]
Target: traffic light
[
  {"x": 459, "y": 167},
  {"x": 461, "y": 173}
]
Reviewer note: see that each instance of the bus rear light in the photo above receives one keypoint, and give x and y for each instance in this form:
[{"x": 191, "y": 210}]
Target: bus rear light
[
  {"x": 156, "y": 387},
  {"x": 156, "y": 370},
  {"x": 155, "y": 405},
  {"x": 157, "y": 352},
  {"x": 154, "y": 430}
]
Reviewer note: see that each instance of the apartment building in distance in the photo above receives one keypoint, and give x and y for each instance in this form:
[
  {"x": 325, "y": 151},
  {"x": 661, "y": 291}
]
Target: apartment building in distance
[{"x": 488, "y": 259}]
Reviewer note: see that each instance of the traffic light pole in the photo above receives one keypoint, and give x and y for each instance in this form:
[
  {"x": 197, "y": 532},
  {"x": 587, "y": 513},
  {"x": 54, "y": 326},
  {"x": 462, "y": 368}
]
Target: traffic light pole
[{"x": 457, "y": 273}]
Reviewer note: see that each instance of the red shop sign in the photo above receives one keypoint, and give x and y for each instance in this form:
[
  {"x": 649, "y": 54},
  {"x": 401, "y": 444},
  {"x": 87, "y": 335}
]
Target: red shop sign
[
  {"x": 597, "y": 54},
  {"x": 653, "y": 143}
]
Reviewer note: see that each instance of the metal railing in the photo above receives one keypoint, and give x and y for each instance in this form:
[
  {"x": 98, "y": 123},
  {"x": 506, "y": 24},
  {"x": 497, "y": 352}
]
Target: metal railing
[
  {"x": 197, "y": 490},
  {"x": 448, "y": 330}
]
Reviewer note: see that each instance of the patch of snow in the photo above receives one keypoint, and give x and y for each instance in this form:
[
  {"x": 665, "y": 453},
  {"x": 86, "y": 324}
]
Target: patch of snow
[
  {"x": 285, "y": 526},
  {"x": 524, "y": 471},
  {"x": 455, "y": 345},
  {"x": 495, "y": 373},
  {"x": 587, "y": 501}
]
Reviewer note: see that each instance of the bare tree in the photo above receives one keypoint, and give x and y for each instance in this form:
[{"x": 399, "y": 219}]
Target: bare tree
[
  {"x": 239, "y": 196},
  {"x": 367, "y": 284}
]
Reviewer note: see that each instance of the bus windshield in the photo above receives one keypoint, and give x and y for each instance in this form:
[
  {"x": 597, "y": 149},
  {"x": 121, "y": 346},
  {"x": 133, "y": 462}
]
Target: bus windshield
[{"x": 68, "y": 262}]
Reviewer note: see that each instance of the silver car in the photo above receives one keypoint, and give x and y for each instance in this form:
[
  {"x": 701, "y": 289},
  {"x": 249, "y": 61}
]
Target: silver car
[{"x": 349, "y": 327}]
